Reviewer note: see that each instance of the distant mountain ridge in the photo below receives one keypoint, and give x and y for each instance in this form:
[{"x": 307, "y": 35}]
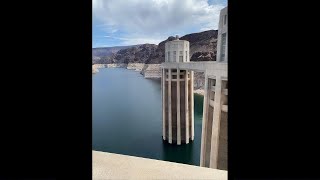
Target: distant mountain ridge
[
  {"x": 100, "y": 53},
  {"x": 106, "y": 51},
  {"x": 202, "y": 48}
]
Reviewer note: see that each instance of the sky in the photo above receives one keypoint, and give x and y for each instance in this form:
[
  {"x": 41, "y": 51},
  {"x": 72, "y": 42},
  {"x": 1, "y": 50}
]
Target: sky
[{"x": 130, "y": 22}]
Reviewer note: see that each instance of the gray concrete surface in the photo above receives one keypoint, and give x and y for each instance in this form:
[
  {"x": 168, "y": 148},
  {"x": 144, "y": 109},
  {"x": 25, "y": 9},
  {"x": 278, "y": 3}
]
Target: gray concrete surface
[{"x": 115, "y": 166}]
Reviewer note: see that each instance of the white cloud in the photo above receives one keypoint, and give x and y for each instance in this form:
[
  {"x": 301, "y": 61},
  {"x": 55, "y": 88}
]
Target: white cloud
[
  {"x": 114, "y": 30},
  {"x": 141, "y": 41},
  {"x": 205, "y": 29},
  {"x": 130, "y": 41},
  {"x": 155, "y": 19}
]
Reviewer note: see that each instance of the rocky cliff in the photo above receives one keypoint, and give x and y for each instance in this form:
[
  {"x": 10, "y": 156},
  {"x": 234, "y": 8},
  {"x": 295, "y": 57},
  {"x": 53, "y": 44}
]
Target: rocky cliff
[
  {"x": 202, "y": 48},
  {"x": 151, "y": 71},
  {"x": 137, "y": 54},
  {"x": 203, "y": 45},
  {"x": 148, "y": 57}
]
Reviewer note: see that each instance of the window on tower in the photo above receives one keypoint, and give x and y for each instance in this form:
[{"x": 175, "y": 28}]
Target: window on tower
[
  {"x": 186, "y": 56},
  {"x": 223, "y": 46}
]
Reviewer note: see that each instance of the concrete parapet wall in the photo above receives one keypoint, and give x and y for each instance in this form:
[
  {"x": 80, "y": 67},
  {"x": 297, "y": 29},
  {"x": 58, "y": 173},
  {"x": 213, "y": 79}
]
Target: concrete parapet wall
[{"x": 115, "y": 166}]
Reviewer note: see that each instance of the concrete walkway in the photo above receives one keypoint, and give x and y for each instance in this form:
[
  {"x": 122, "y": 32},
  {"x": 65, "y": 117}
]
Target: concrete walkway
[{"x": 116, "y": 166}]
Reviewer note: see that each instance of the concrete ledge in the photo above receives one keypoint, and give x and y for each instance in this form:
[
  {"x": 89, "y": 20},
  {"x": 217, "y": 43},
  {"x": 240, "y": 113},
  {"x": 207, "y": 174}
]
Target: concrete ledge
[
  {"x": 116, "y": 166},
  {"x": 211, "y": 68}
]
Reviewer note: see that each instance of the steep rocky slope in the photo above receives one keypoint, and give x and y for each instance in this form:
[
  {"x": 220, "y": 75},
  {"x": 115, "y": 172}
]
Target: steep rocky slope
[
  {"x": 137, "y": 54},
  {"x": 202, "y": 48},
  {"x": 105, "y": 55},
  {"x": 203, "y": 45}
]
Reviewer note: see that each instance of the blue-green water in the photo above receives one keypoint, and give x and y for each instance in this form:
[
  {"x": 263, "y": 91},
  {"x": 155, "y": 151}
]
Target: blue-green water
[{"x": 127, "y": 118}]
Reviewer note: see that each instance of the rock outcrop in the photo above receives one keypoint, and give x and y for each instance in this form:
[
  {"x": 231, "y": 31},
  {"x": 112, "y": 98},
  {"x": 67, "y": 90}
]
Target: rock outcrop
[
  {"x": 151, "y": 71},
  {"x": 116, "y": 65},
  {"x": 94, "y": 70},
  {"x": 136, "y": 66},
  {"x": 95, "y": 67}
]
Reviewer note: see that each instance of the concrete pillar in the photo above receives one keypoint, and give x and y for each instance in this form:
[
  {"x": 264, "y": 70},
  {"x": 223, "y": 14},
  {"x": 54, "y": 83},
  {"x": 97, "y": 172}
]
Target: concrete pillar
[
  {"x": 178, "y": 108},
  {"x": 204, "y": 122},
  {"x": 164, "y": 104},
  {"x": 192, "y": 106},
  {"x": 216, "y": 125},
  {"x": 176, "y": 127},
  {"x": 187, "y": 107},
  {"x": 169, "y": 106},
  {"x": 212, "y": 132}
]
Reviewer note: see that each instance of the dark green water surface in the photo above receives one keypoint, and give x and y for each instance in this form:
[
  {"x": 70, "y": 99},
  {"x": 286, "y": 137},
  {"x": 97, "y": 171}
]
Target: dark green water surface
[{"x": 127, "y": 118}]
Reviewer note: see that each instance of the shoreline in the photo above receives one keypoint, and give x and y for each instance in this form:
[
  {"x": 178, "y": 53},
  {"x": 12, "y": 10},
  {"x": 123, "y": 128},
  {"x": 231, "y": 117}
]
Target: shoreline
[
  {"x": 148, "y": 71},
  {"x": 199, "y": 92}
]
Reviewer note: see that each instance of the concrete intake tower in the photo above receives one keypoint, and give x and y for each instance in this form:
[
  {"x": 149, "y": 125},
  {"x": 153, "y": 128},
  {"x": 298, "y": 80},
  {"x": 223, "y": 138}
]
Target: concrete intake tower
[
  {"x": 177, "y": 95},
  {"x": 177, "y": 98}
]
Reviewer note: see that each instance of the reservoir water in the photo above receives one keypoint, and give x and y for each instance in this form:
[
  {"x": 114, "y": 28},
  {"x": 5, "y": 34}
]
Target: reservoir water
[{"x": 127, "y": 118}]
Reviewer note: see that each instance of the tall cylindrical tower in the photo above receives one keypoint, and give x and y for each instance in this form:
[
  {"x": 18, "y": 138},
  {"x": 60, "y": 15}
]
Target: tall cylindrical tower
[{"x": 177, "y": 95}]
